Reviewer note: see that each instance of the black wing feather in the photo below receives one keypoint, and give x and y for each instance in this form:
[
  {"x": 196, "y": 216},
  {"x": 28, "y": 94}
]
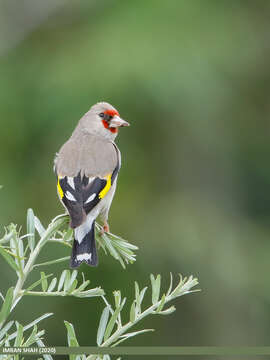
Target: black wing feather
[
  {"x": 75, "y": 198},
  {"x": 79, "y": 207}
]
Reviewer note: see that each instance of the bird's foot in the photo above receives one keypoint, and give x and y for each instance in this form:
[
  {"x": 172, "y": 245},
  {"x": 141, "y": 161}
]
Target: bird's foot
[{"x": 105, "y": 228}]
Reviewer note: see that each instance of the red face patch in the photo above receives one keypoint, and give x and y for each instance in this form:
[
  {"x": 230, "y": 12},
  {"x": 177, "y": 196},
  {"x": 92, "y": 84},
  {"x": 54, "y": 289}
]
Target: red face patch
[
  {"x": 106, "y": 124},
  {"x": 111, "y": 112}
]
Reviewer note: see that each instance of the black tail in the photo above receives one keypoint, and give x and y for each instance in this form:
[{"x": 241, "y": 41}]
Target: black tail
[{"x": 85, "y": 251}]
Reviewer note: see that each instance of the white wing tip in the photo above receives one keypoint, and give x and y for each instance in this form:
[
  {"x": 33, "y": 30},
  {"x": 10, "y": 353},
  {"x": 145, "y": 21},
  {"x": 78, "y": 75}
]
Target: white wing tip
[{"x": 84, "y": 256}]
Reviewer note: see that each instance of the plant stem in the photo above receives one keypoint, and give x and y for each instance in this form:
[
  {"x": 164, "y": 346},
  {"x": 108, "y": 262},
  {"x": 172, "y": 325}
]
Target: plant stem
[
  {"x": 139, "y": 317},
  {"x": 122, "y": 330},
  {"x": 41, "y": 293},
  {"x": 52, "y": 262},
  {"x": 22, "y": 277}
]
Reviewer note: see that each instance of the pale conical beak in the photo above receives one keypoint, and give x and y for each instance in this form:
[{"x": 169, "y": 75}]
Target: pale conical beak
[{"x": 118, "y": 122}]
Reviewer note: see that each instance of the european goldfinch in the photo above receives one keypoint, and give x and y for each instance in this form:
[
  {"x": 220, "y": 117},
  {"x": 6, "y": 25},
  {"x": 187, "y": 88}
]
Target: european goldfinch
[{"x": 86, "y": 168}]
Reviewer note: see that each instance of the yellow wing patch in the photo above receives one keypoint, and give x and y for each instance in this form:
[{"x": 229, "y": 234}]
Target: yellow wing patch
[
  {"x": 107, "y": 186},
  {"x": 60, "y": 191}
]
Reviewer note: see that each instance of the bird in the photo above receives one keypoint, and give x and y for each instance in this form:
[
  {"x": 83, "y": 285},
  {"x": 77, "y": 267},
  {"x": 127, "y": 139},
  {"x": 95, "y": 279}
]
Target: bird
[{"x": 86, "y": 169}]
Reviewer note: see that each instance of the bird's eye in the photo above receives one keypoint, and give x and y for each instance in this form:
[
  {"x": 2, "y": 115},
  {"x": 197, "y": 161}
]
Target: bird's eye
[
  {"x": 107, "y": 117},
  {"x": 101, "y": 115}
]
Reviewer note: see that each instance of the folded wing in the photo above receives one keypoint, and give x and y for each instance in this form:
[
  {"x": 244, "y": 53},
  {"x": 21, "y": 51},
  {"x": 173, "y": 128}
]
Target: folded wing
[{"x": 85, "y": 173}]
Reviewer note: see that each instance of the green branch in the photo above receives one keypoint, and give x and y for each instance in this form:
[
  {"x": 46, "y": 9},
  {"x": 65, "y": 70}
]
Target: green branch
[
  {"x": 21, "y": 254},
  {"x": 111, "y": 332}
]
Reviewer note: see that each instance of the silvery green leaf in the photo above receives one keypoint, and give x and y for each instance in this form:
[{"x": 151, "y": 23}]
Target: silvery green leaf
[
  {"x": 124, "y": 244},
  {"x": 121, "y": 240},
  {"x": 56, "y": 261},
  {"x": 155, "y": 287},
  {"x": 142, "y": 293},
  {"x": 185, "y": 285},
  {"x": 135, "y": 333},
  {"x": 110, "y": 247},
  {"x": 31, "y": 324},
  {"x": 67, "y": 280},
  {"x": 175, "y": 292},
  {"x": 21, "y": 251},
  {"x": 39, "y": 334},
  {"x": 44, "y": 281},
  {"x": 168, "y": 311},
  {"x": 127, "y": 256},
  {"x": 121, "y": 247},
  {"x": 188, "y": 284},
  {"x": 162, "y": 302},
  {"x": 72, "y": 278},
  {"x": 61, "y": 281},
  {"x": 171, "y": 283},
  {"x": 15, "y": 302},
  {"x": 82, "y": 286},
  {"x": 35, "y": 284},
  {"x": 122, "y": 262},
  {"x": 72, "y": 340},
  {"x": 5, "y": 309},
  {"x": 9, "y": 259},
  {"x": 83, "y": 276},
  {"x": 36, "y": 321},
  {"x": 19, "y": 337},
  {"x": 132, "y": 315},
  {"x": 113, "y": 320},
  {"x": 100, "y": 241},
  {"x": 117, "y": 247},
  {"x": 72, "y": 287},
  {"x": 7, "y": 343},
  {"x": 52, "y": 285},
  {"x": 117, "y": 298},
  {"x": 39, "y": 227},
  {"x": 89, "y": 293},
  {"x": 6, "y": 239},
  {"x": 31, "y": 228},
  {"x": 14, "y": 248},
  {"x": 102, "y": 325},
  {"x": 129, "y": 335},
  {"x": 32, "y": 338},
  {"x": 5, "y": 329},
  {"x": 137, "y": 292},
  {"x": 2, "y": 342}
]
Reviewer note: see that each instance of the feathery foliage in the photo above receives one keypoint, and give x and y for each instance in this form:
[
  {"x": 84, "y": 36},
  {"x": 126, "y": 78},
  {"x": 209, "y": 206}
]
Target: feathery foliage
[
  {"x": 112, "y": 332},
  {"x": 21, "y": 254}
]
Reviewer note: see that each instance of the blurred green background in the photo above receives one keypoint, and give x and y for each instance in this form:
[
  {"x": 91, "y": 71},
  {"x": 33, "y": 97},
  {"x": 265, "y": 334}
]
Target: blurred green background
[{"x": 192, "y": 78}]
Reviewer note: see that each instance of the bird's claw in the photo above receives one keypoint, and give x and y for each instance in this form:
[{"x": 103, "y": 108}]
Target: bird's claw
[{"x": 105, "y": 228}]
